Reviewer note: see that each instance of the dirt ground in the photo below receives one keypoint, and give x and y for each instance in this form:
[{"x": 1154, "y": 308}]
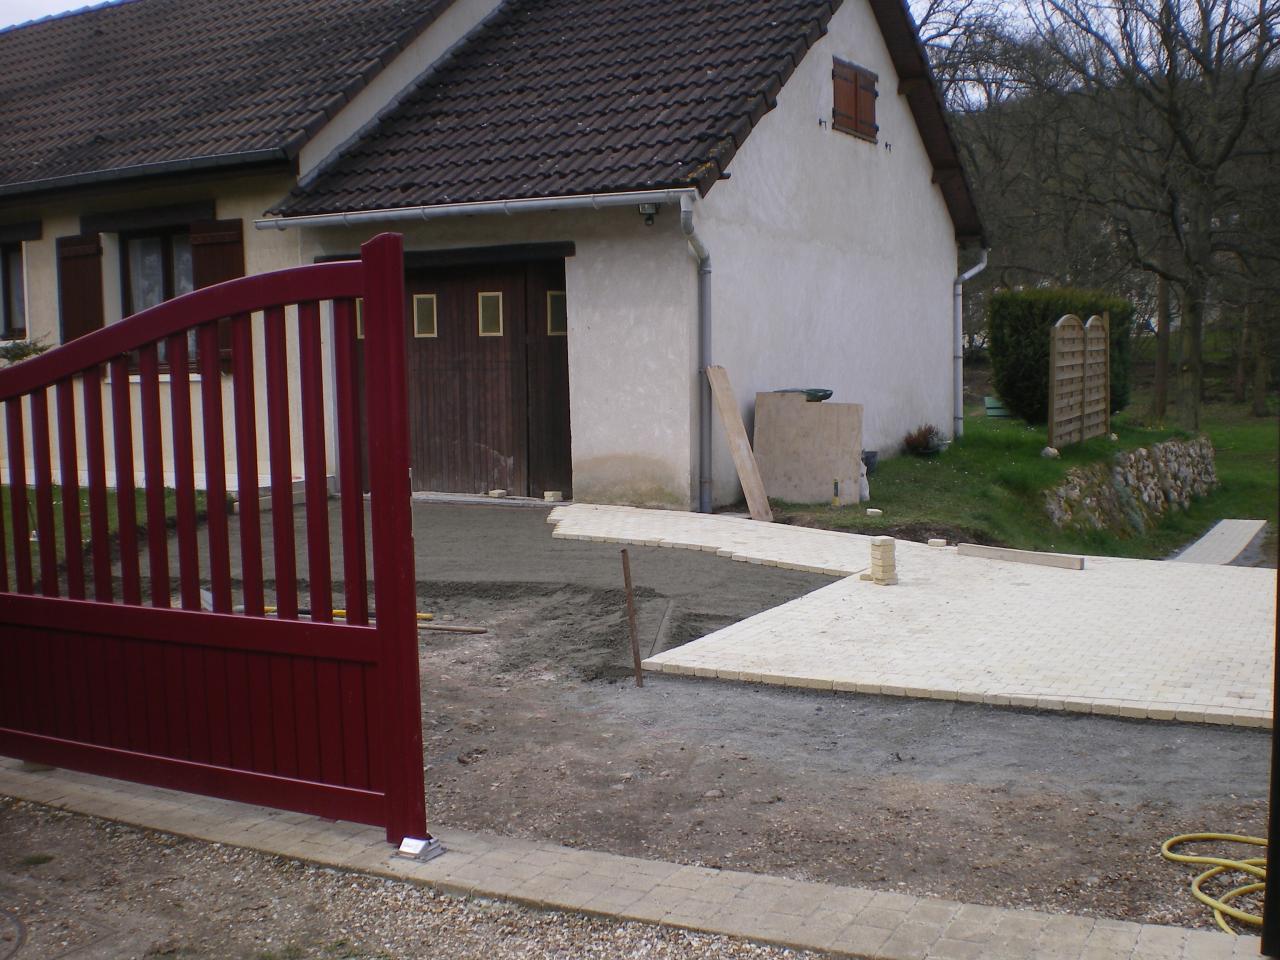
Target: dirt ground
[{"x": 535, "y": 730}]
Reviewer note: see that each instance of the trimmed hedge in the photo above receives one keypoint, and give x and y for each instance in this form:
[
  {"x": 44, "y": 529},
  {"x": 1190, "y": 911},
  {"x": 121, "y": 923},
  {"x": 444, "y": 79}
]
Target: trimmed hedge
[{"x": 1019, "y": 322}]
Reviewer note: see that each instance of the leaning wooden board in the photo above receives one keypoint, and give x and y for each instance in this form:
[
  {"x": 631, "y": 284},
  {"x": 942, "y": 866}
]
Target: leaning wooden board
[{"x": 743, "y": 459}]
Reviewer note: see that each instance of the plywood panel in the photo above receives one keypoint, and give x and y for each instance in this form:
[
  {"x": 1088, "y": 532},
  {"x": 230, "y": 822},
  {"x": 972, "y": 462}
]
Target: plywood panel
[{"x": 806, "y": 451}]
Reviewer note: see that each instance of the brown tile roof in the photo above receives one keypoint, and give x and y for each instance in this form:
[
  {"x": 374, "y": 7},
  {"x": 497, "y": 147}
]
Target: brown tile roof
[
  {"x": 186, "y": 82},
  {"x": 557, "y": 97},
  {"x": 560, "y": 97}
]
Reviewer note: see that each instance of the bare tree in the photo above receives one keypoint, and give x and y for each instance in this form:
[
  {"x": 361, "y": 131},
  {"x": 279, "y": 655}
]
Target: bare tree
[{"x": 1166, "y": 102}]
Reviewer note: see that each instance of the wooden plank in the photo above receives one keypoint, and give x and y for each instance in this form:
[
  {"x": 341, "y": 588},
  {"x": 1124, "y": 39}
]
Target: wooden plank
[
  {"x": 739, "y": 446},
  {"x": 1060, "y": 560}
]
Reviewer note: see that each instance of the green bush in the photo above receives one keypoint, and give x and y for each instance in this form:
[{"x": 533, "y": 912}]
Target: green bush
[{"x": 1018, "y": 342}]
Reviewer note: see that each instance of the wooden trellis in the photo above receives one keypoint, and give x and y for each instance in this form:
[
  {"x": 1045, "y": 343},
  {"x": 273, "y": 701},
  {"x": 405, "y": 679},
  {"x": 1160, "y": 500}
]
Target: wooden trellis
[{"x": 1079, "y": 380}]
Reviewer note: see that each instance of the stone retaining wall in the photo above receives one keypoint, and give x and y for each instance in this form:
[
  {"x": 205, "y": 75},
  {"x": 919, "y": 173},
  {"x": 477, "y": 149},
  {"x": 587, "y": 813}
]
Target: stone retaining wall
[{"x": 1136, "y": 489}]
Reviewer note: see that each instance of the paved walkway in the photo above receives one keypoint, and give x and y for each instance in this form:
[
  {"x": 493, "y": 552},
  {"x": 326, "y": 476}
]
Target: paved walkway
[
  {"x": 1226, "y": 541},
  {"x": 1137, "y": 638},
  {"x": 841, "y": 920}
]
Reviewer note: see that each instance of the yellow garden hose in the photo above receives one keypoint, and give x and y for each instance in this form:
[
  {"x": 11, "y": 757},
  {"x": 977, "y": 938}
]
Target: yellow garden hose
[
  {"x": 421, "y": 617},
  {"x": 1253, "y": 866}
]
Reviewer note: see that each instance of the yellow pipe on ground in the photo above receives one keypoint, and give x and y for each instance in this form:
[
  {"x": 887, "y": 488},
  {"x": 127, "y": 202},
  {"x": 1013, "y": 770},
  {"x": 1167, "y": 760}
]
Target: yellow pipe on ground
[
  {"x": 1252, "y": 866},
  {"x": 421, "y": 617}
]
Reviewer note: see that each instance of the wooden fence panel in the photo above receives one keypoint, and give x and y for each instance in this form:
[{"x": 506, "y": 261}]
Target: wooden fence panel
[{"x": 1079, "y": 380}]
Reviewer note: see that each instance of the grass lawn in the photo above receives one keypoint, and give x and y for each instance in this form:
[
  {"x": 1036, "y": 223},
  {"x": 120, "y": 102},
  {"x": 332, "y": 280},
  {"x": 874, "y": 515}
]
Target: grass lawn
[
  {"x": 113, "y": 525},
  {"x": 988, "y": 487}
]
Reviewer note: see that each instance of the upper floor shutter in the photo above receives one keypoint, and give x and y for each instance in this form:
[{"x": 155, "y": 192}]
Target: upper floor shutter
[
  {"x": 80, "y": 285},
  {"x": 867, "y": 94},
  {"x": 854, "y": 100}
]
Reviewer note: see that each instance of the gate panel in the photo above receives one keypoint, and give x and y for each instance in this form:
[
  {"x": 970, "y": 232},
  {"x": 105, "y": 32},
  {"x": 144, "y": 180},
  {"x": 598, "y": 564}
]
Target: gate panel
[{"x": 195, "y": 666}]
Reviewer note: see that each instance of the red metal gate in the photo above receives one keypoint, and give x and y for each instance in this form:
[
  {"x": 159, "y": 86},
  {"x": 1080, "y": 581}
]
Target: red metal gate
[{"x": 99, "y": 671}]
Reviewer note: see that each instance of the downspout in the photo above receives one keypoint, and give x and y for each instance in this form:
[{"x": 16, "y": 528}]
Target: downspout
[
  {"x": 957, "y": 324},
  {"x": 704, "y": 352}
]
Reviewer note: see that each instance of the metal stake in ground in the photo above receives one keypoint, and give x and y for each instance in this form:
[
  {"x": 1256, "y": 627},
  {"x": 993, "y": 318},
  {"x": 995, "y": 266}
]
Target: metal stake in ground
[{"x": 631, "y": 616}]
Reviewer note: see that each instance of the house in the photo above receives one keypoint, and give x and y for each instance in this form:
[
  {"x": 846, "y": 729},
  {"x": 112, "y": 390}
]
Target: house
[{"x": 598, "y": 198}]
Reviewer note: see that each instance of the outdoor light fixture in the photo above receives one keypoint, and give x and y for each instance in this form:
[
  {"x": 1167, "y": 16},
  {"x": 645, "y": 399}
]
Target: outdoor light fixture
[
  {"x": 648, "y": 211},
  {"x": 411, "y": 848}
]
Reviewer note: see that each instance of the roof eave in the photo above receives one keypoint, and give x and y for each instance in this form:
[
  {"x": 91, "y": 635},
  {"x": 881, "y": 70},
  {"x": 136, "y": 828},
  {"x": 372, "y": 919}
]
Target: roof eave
[
  {"x": 911, "y": 64},
  {"x": 250, "y": 158}
]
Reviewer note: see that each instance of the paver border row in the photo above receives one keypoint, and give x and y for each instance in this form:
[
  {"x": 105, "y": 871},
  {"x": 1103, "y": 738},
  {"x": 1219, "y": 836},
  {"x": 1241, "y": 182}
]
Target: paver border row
[{"x": 844, "y": 921}]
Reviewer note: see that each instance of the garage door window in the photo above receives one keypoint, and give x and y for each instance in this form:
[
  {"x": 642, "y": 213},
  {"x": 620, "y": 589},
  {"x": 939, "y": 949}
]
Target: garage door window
[
  {"x": 557, "y": 314},
  {"x": 491, "y": 314},
  {"x": 424, "y": 315}
]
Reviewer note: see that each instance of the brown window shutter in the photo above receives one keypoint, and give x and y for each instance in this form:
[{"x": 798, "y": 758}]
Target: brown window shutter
[
  {"x": 217, "y": 255},
  {"x": 80, "y": 285},
  {"x": 844, "y": 113},
  {"x": 217, "y": 251},
  {"x": 854, "y": 100},
  {"x": 867, "y": 104}
]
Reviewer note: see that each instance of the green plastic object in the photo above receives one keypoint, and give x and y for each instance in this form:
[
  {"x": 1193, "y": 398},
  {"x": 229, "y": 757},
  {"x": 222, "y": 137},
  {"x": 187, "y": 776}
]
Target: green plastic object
[
  {"x": 995, "y": 408},
  {"x": 812, "y": 394}
]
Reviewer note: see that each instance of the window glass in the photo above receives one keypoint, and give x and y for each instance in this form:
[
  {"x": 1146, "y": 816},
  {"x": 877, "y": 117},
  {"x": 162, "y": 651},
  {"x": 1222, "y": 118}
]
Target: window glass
[
  {"x": 183, "y": 281},
  {"x": 491, "y": 314},
  {"x": 13, "y": 308},
  {"x": 424, "y": 314},
  {"x": 557, "y": 314},
  {"x": 146, "y": 272}
]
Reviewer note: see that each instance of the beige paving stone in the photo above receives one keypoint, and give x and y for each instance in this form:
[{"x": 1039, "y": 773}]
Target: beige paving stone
[
  {"x": 955, "y": 950},
  {"x": 900, "y": 902},
  {"x": 1091, "y": 952},
  {"x": 934, "y": 912},
  {"x": 1208, "y": 945},
  {"x": 860, "y": 940},
  {"x": 879, "y": 917}
]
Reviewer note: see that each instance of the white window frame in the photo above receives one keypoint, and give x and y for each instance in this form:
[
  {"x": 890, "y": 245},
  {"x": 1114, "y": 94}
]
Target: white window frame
[
  {"x": 480, "y": 313},
  {"x": 563, "y": 295},
  {"x": 435, "y": 316}
]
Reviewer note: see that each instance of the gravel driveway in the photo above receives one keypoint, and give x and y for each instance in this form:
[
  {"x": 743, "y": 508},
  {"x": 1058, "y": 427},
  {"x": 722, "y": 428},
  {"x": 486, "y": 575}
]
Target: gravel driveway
[{"x": 90, "y": 889}]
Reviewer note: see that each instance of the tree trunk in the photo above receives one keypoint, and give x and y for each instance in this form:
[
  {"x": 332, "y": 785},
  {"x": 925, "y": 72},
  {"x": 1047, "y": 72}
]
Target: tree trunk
[
  {"x": 1241, "y": 353},
  {"x": 1259, "y": 372},
  {"x": 1160, "y": 396},
  {"x": 1191, "y": 365}
]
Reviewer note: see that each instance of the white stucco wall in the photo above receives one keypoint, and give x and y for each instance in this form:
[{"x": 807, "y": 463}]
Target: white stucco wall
[
  {"x": 833, "y": 257},
  {"x": 632, "y": 301}
]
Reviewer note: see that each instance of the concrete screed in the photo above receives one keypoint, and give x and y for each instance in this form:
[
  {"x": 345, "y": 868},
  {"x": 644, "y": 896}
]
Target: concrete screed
[{"x": 1130, "y": 638}]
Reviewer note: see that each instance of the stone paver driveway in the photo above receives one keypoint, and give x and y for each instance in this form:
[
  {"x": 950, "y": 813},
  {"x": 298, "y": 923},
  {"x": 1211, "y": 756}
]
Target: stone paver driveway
[{"x": 1137, "y": 638}]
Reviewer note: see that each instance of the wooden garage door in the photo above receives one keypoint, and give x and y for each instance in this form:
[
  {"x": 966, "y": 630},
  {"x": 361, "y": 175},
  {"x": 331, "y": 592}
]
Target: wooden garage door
[{"x": 488, "y": 379}]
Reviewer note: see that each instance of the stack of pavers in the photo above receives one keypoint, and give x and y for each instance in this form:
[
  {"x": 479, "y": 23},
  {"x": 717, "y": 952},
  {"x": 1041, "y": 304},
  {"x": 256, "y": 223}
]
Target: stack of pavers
[{"x": 884, "y": 568}]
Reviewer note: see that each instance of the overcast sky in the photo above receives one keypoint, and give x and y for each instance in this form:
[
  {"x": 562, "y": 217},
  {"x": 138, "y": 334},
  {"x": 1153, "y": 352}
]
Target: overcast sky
[{"x": 18, "y": 11}]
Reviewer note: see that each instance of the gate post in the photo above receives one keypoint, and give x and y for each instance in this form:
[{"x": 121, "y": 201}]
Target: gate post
[{"x": 395, "y": 584}]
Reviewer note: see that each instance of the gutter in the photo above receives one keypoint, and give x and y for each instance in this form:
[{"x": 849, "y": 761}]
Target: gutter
[
  {"x": 586, "y": 201},
  {"x": 957, "y": 331},
  {"x": 188, "y": 165},
  {"x": 704, "y": 352}
]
